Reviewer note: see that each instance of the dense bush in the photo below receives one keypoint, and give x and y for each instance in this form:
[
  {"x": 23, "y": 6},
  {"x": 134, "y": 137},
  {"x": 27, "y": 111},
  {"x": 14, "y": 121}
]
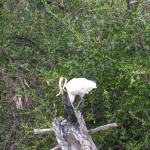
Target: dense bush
[{"x": 101, "y": 40}]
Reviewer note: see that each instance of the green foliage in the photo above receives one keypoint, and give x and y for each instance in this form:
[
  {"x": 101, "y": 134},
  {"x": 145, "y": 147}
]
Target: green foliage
[{"x": 100, "y": 40}]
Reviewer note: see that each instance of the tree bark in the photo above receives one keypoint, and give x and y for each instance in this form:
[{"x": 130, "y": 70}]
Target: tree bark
[{"x": 71, "y": 137}]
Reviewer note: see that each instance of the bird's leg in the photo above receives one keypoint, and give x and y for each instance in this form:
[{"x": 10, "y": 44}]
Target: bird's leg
[
  {"x": 81, "y": 100},
  {"x": 78, "y": 105}
]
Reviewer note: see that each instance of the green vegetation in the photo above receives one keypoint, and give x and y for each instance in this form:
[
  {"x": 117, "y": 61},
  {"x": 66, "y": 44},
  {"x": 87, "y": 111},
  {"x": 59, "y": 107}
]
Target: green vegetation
[{"x": 101, "y": 40}]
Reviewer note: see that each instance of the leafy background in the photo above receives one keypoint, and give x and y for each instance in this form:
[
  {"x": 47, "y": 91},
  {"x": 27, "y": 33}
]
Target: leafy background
[{"x": 102, "y": 40}]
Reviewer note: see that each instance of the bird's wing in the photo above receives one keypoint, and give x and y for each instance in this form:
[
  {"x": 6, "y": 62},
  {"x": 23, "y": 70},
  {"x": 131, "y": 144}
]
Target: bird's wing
[{"x": 79, "y": 86}]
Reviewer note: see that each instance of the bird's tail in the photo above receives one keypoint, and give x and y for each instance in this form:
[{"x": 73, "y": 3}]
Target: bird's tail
[{"x": 62, "y": 83}]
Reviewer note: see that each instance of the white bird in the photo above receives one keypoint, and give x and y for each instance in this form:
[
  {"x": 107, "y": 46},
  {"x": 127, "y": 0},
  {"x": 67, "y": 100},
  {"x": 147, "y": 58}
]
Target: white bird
[{"x": 76, "y": 86}]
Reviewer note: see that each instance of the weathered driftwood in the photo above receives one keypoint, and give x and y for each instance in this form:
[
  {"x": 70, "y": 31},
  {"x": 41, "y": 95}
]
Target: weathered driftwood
[{"x": 71, "y": 133}]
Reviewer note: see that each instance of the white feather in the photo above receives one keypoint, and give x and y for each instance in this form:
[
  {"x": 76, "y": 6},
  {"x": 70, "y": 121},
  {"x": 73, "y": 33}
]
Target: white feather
[{"x": 79, "y": 86}]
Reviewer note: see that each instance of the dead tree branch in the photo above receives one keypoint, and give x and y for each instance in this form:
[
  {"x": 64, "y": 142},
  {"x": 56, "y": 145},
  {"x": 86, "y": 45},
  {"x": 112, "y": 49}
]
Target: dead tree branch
[
  {"x": 102, "y": 128},
  {"x": 98, "y": 129},
  {"x": 43, "y": 131},
  {"x": 71, "y": 133}
]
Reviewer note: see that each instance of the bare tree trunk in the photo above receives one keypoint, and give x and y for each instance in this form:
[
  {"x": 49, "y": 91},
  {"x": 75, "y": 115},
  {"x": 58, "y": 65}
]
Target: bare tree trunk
[
  {"x": 71, "y": 137},
  {"x": 72, "y": 133}
]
